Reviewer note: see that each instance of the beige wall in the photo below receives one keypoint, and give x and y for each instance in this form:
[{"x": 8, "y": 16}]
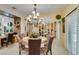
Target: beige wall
[
  {"x": 69, "y": 8},
  {"x": 52, "y": 14}
]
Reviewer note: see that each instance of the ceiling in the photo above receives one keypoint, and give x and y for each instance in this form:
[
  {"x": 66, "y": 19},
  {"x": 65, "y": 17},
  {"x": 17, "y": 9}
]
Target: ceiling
[{"x": 26, "y": 9}]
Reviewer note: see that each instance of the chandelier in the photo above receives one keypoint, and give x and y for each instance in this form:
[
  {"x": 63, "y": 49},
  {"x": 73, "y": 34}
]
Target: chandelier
[{"x": 34, "y": 18}]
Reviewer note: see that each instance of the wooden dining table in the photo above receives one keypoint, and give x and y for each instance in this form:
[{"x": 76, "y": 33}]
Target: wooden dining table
[{"x": 25, "y": 40}]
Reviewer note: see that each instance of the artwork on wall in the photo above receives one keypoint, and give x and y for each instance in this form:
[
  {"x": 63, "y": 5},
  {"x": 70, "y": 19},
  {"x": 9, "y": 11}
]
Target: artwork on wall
[
  {"x": 63, "y": 25},
  {"x": 17, "y": 26}
]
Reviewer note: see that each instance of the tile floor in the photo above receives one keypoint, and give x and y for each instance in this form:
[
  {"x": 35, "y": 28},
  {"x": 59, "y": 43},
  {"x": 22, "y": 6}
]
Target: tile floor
[{"x": 13, "y": 49}]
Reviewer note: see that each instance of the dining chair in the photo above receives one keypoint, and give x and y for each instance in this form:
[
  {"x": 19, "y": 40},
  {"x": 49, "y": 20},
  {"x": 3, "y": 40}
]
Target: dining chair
[
  {"x": 4, "y": 41},
  {"x": 10, "y": 37},
  {"x": 19, "y": 42},
  {"x": 44, "y": 48},
  {"x": 22, "y": 35},
  {"x": 49, "y": 46},
  {"x": 34, "y": 46}
]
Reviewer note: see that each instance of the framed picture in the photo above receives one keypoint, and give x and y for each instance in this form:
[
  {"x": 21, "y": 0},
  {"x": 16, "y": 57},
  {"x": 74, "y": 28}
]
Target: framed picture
[{"x": 63, "y": 25}]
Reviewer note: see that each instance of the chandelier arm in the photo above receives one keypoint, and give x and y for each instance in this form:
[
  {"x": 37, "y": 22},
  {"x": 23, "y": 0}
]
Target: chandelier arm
[{"x": 35, "y": 17}]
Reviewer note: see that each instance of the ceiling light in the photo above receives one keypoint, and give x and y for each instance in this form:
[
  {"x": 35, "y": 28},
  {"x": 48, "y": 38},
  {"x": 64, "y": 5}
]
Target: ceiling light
[
  {"x": 37, "y": 14},
  {"x": 30, "y": 16},
  {"x": 34, "y": 18},
  {"x": 33, "y": 12}
]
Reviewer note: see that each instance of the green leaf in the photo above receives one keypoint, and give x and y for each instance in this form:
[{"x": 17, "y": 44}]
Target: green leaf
[{"x": 58, "y": 17}]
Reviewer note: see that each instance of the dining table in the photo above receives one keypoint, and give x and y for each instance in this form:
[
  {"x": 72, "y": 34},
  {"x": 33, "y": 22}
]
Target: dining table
[{"x": 25, "y": 40}]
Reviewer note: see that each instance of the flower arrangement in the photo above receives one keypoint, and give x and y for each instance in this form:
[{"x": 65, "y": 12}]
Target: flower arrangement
[{"x": 34, "y": 33}]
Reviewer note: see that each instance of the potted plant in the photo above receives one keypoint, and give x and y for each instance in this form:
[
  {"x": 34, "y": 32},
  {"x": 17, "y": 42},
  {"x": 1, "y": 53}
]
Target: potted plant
[{"x": 58, "y": 17}]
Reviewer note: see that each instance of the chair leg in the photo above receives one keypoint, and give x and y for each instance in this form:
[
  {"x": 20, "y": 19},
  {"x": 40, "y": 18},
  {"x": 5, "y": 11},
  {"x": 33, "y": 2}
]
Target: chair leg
[
  {"x": 19, "y": 52},
  {"x": 50, "y": 51},
  {"x": 47, "y": 52},
  {"x": 6, "y": 44},
  {"x": 1, "y": 43},
  {"x": 43, "y": 50},
  {"x": 19, "y": 49}
]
